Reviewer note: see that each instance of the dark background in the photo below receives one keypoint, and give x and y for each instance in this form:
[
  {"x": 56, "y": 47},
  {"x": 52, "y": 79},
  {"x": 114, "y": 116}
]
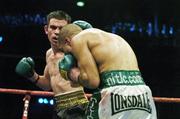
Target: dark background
[{"x": 158, "y": 54}]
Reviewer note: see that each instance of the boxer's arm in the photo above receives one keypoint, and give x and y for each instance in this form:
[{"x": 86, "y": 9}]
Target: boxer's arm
[
  {"x": 44, "y": 79},
  {"x": 89, "y": 75}
]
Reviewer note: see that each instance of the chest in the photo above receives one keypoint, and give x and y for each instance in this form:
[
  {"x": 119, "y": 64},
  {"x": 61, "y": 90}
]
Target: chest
[{"x": 52, "y": 63}]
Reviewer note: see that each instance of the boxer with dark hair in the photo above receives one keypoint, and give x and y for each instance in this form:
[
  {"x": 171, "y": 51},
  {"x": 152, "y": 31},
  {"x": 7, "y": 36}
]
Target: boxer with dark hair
[{"x": 65, "y": 91}]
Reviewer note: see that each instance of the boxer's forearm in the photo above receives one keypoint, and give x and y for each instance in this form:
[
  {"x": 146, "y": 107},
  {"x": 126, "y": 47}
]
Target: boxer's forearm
[
  {"x": 42, "y": 82},
  {"x": 87, "y": 82}
]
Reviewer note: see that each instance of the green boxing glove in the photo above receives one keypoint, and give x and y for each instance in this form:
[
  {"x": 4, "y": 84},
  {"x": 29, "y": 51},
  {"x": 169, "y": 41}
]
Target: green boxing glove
[
  {"x": 25, "y": 67},
  {"x": 83, "y": 24},
  {"x": 66, "y": 64}
]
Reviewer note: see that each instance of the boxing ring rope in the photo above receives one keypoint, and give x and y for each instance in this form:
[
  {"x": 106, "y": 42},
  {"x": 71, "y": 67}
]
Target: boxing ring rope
[{"x": 29, "y": 93}]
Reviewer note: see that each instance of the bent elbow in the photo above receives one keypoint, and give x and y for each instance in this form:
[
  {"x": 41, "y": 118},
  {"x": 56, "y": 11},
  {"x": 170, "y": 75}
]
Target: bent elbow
[
  {"x": 94, "y": 83},
  {"x": 91, "y": 82},
  {"x": 93, "y": 86}
]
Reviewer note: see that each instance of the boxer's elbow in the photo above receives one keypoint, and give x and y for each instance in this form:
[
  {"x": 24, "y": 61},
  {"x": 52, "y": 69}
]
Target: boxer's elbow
[
  {"x": 91, "y": 82},
  {"x": 94, "y": 83},
  {"x": 44, "y": 83},
  {"x": 45, "y": 87}
]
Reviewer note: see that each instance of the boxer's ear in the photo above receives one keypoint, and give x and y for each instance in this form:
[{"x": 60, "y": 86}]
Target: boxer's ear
[
  {"x": 46, "y": 29},
  {"x": 67, "y": 41}
]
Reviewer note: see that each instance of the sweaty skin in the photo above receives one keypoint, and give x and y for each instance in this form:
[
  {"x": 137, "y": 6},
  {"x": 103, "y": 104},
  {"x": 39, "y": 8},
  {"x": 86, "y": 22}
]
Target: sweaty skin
[
  {"x": 96, "y": 59},
  {"x": 91, "y": 47}
]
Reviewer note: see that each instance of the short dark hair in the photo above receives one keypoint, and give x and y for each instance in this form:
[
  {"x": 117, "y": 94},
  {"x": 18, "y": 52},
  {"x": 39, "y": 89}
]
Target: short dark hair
[{"x": 59, "y": 14}]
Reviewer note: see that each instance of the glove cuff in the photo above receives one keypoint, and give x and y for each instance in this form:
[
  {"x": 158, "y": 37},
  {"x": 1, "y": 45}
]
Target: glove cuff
[{"x": 34, "y": 78}]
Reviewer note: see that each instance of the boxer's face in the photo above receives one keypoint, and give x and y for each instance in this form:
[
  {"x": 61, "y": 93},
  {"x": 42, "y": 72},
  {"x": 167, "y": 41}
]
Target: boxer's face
[{"x": 52, "y": 30}]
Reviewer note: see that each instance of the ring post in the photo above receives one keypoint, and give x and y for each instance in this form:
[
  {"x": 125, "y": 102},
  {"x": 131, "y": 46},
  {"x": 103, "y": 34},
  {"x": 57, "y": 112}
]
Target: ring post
[{"x": 26, "y": 100}]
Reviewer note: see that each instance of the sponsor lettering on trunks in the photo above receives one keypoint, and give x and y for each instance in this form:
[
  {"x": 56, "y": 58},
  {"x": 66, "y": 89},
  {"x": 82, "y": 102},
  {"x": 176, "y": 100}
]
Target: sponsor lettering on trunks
[
  {"x": 130, "y": 102},
  {"x": 119, "y": 78}
]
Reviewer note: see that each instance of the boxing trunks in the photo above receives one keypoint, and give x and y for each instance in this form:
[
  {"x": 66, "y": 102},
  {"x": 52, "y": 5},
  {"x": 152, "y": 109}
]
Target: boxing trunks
[
  {"x": 71, "y": 105},
  {"x": 122, "y": 95}
]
